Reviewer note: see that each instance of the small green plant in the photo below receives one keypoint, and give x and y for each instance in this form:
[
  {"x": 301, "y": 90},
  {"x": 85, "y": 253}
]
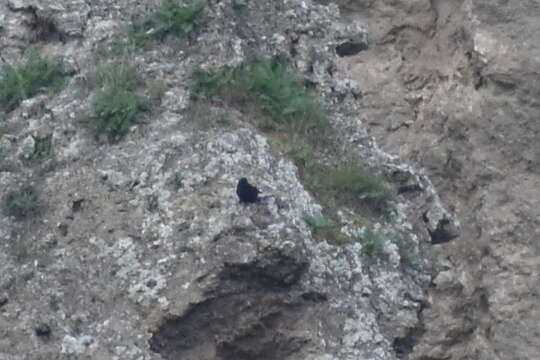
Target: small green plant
[
  {"x": 22, "y": 203},
  {"x": 282, "y": 95},
  {"x": 207, "y": 116},
  {"x": 319, "y": 221},
  {"x": 325, "y": 228},
  {"x": 43, "y": 148},
  {"x": 119, "y": 74},
  {"x": 43, "y": 155},
  {"x": 278, "y": 92},
  {"x": 115, "y": 110},
  {"x": 26, "y": 80},
  {"x": 178, "y": 180},
  {"x": 4, "y": 163},
  {"x": 239, "y": 5},
  {"x": 407, "y": 256},
  {"x": 372, "y": 242},
  {"x": 117, "y": 106},
  {"x": 209, "y": 83},
  {"x": 353, "y": 179},
  {"x": 172, "y": 18}
]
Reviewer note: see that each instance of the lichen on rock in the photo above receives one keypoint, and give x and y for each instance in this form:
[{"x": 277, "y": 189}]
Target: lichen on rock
[{"x": 144, "y": 251}]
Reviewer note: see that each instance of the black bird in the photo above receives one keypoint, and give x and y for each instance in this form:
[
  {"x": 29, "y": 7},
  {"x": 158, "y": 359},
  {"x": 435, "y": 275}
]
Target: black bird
[{"x": 247, "y": 193}]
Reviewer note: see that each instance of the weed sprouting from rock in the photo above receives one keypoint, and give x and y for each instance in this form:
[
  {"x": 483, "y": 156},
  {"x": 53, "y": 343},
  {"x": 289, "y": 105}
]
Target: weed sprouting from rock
[
  {"x": 172, "y": 18},
  {"x": 372, "y": 242},
  {"x": 278, "y": 92},
  {"x": 26, "y": 80},
  {"x": 117, "y": 105},
  {"x": 22, "y": 203},
  {"x": 115, "y": 111}
]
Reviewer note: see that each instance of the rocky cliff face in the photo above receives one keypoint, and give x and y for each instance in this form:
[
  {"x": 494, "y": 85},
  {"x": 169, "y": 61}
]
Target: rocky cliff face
[
  {"x": 140, "y": 249},
  {"x": 453, "y": 87}
]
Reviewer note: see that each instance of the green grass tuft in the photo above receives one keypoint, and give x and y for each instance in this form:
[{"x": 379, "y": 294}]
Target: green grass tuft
[
  {"x": 115, "y": 110},
  {"x": 372, "y": 243},
  {"x": 408, "y": 257},
  {"x": 22, "y": 203},
  {"x": 282, "y": 95},
  {"x": 120, "y": 75},
  {"x": 359, "y": 181},
  {"x": 117, "y": 105},
  {"x": 172, "y": 18},
  {"x": 209, "y": 83},
  {"x": 43, "y": 148},
  {"x": 26, "y": 80},
  {"x": 278, "y": 92},
  {"x": 319, "y": 222}
]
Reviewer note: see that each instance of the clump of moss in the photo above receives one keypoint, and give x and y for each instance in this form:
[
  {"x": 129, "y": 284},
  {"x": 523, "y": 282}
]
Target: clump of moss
[{"x": 26, "y": 80}]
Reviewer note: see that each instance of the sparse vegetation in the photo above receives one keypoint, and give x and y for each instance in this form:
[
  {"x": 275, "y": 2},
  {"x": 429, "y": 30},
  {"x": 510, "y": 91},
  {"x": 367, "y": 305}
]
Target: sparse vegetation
[
  {"x": 281, "y": 105},
  {"x": 22, "y": 203},
  {"x": 239, "y": 5},
  {"x": 282, "y": 96},
  {"x": 359, "y": 183},
  {"x": 120, "y": 74},
  {"x": 372, "y": 242},
  {"x": 278, "y": 92},
  {"x": 117, "y": 106},
  {"x": 178, "y": 180},
  {"x": 115, "y": 110},
  {"x": 324, "y": 228},
  {"x": 42, "y": 148},
  {"x": 26, "y": 80},
  {"x": 208, "y": 116},
  {"x": 319, "y": 222},
  {"x": 4, "y": 163},
  {"x": 172, "y": 18},
  {"x": 407, "y": 256}
]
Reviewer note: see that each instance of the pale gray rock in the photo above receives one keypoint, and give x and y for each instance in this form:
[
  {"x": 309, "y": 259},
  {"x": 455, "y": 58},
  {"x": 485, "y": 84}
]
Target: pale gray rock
[{"x": 143, "y": 250}]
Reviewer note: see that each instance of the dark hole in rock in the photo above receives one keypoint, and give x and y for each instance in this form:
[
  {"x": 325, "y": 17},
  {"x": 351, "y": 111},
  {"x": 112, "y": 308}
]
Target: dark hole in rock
[
  {"x": 409, "y": 188},
  {"x": 293, "y": 51},
  {"x": 443, "y": 233},
  {"x": 77, "y": 204},
  {"x": 257, "y": 325},
  {"x": 43, "y": 330},
  {"x": 44, "y": 28},
  {"x": 310, "y": 84},
  {"x": 403, "y": 346},
  {"x": 350, "y": 48}
]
